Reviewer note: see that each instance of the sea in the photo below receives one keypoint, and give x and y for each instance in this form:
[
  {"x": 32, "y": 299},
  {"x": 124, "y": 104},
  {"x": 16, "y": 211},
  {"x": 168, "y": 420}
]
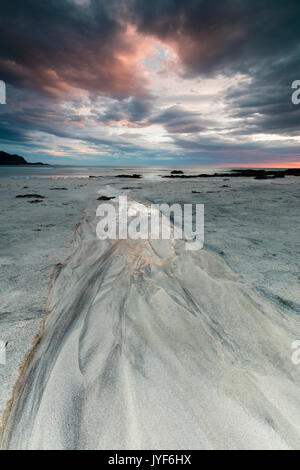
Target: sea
[{"x": 59, "y": 171}]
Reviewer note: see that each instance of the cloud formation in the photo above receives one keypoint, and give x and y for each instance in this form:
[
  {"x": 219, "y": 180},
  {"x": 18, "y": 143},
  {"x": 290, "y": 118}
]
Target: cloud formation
[
  {"x": 55, "y": 47},
  {"x": 145, "y": 82}
]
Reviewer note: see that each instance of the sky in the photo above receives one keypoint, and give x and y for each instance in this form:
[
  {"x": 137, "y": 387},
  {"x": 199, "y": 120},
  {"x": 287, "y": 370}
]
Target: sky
[{"x": 151, "y": 82}]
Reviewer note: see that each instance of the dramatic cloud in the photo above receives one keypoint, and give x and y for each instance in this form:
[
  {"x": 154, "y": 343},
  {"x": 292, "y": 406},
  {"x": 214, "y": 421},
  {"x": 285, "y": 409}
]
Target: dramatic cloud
[
  {"x": 232, "y": 35},
  {"x": 132, "y": 111},
  {"x": 56, "y": 46},
  {"x": 166, "y": 81},
  {"x": 178, "y": 121}
]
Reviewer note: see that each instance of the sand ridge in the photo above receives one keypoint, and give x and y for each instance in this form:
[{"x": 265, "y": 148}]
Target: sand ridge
[{"x": 149, "y": 347}]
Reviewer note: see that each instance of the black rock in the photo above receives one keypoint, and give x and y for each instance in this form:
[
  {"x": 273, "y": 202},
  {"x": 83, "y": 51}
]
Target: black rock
[
  {"x": 292, "y": 172},
  {"x": 243, "y": 173},
  {"x": 129, "y": 176},
  {"x": 262, "y": 177},
  {"x": 279, "y": 174},
  {"x": 131, "y": 187},
  {"x": 105, "y": 198},
  {"x": 30, "y": 196},
  {"x": 58, "y": 189}
]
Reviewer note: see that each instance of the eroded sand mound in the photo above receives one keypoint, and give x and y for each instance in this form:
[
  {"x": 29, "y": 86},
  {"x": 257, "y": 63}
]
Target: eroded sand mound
[{"x": 148, "y": 346}]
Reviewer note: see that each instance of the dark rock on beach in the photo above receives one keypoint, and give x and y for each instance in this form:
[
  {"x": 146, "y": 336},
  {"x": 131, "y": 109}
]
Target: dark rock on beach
[
  {"x": 262, "y": 177},
  {"x": 129, "y": 176},
  {"x": 247, "y": 173},
  {"x": 131, "y": 187},
  {"x": 105, "y": 198},
  {"x": 58, "y": 189},
  {"x": 35, "y": 196},
  {"x": 292, "y": 172}
]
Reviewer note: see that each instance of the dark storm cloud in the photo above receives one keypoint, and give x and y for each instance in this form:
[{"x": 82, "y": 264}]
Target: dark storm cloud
[
  {"x": 8, "y": 134},
  {"x": 26, "y": 112},
  {"x": 265, "y": 104},
  {"x": 178, "y": 121},
  {"x": 133, "y": 109},
  {"x": 260, "y": 38},
  {"x": 54, "y": 45},
  {"x": 217, "y": 36},
  {"x": 257, "y": 38},
  {"x": 57, "y": 43}
]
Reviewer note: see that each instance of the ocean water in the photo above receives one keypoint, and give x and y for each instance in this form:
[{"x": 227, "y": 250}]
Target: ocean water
[{"x": 85, "y": 172}]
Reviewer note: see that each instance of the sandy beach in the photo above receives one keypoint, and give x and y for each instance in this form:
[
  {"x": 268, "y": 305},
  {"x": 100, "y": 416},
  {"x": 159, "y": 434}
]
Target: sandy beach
[
  {"x": 146, "y": 345},
  {"x": 149, "y": 227}
]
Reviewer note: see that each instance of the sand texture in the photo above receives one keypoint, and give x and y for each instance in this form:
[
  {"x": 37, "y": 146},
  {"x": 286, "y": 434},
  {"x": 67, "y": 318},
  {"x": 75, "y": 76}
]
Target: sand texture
[{"x": 148, "y": 346}]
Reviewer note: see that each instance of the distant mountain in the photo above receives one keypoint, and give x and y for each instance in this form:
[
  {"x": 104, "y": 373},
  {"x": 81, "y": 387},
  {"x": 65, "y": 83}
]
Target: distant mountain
[{"x": 8, "y": 159}]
